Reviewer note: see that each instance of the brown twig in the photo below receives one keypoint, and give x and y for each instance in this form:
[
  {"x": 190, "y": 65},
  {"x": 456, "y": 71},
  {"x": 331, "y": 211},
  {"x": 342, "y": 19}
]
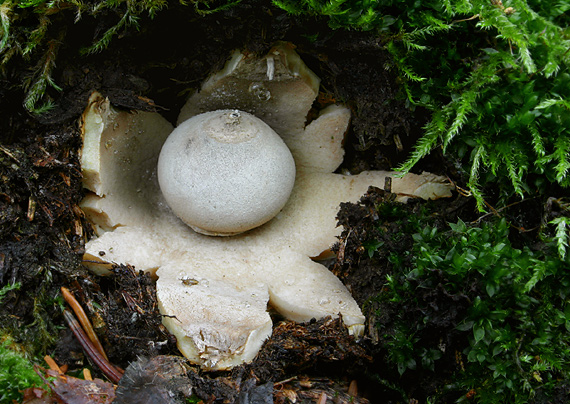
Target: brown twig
[
  {"x": 52, "y": 364},
  {"x": 497, "y": 212},
  {"x": 322, "y": 398},
  {"x": 114, "y": 374},
  {"x": 466, "y": 19},
  {"x": 83, "y": 319},
  {"x": 353, "y": 389}
]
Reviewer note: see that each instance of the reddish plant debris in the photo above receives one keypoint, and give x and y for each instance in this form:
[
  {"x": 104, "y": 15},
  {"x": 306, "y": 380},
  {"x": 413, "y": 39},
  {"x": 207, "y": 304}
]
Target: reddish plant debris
[{"x": 71, "y": 390}]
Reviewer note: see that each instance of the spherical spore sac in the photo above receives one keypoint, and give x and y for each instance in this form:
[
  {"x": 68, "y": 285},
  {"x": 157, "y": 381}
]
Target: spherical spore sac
[{"x": 225, "y": 172}]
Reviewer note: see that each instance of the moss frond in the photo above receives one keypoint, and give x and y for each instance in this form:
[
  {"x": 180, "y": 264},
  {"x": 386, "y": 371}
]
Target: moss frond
[
  {"x": 428, "y": 141},
  {"x": 537, "y": 140},
  {"x": 8, "y": 288},
  {"x": 5, "y": 19},
  {"x": 562, "y": 228},
  {"x": 479, "y": 155},
  {"x": 562, "y": 157},
  {"x": 40, "y": 80},
  {"x": 37, "y": 35},
  {"x": 102, "y": 43},
  {"x": 205, "y": 7},
  {"x": 462, "y": 111}
]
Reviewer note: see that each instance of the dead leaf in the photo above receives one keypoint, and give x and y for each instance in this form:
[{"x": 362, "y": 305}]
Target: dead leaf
[{"x": 71, "y": 390}]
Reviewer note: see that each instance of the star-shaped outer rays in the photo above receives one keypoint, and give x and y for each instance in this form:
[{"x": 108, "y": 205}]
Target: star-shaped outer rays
[{"x": 214, "y": 291}]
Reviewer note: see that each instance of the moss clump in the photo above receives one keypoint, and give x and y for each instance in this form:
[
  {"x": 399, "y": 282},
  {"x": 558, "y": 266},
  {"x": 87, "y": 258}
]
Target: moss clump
[
  {"x": 459, "y": 309},
  {"x": 516, "y": 319},
  {"x": 16, "y": 373},
  {"x": 496, "y": 81}
]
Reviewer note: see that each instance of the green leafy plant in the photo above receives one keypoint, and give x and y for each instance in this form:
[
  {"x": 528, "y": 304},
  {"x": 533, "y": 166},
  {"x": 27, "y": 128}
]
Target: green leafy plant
[
  {"x": 502, "y": 311},
  {"x": 16, "y": 374},
  {"x": 496, "y": 80},
  {"x": 8, "y": 288},
  {"x": 34, "y": 30}
]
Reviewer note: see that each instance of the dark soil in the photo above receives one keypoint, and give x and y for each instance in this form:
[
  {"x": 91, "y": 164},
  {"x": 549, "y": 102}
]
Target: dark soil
[
  {"x": 378, "y": 217},
  {"x": 42, "y": 230}
]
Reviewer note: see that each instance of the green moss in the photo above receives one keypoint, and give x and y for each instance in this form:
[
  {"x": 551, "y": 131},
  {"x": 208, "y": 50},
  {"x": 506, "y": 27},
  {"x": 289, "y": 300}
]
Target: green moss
[
  {"x": 8, "y": 288},
  {"x": 465, "y": 294},
  {"x": 496, "y": 80},
  {"x": 16, "y": 373},
  {"x": 34, "y": 30}
]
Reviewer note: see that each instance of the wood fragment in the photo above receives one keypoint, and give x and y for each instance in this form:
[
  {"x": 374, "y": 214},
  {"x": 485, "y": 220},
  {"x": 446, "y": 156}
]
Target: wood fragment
[
  {"x": 353, "y": 389},
  {"x": 66, "y": 389},
  {"x": 282, "y": 382},
  {"x": 31, "y": 209},
  {"x": 66, "y": 179},
  {"x": 113, "y": 373},
  {"x": 52, "y": 365},
  {"x": 290, "y": 394},
  {"x": 9, "y": 153},
  {"x": 84, "y": 320}
]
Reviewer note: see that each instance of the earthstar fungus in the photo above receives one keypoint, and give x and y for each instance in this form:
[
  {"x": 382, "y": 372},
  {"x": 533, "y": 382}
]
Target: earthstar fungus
[{"x": 214, "y": 291}]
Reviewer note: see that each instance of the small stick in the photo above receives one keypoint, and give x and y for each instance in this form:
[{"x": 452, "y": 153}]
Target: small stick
[
  {"x": 353, "y": 389},
  {"x": 107, "y": 368},
  {"x": 87, "y": 374},
  {"x": 83, "y": 319},
  {"x": 287, "y": 380},
  {"x": 52, "y": 365}
]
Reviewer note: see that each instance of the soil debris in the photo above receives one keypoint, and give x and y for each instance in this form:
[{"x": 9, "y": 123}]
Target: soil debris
[
  {"x": 123, "y": 309},
  {"x": 67, "y": 389},
  {"x": 161, "y": 379},
  {"x": 317, "y": 347}
]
